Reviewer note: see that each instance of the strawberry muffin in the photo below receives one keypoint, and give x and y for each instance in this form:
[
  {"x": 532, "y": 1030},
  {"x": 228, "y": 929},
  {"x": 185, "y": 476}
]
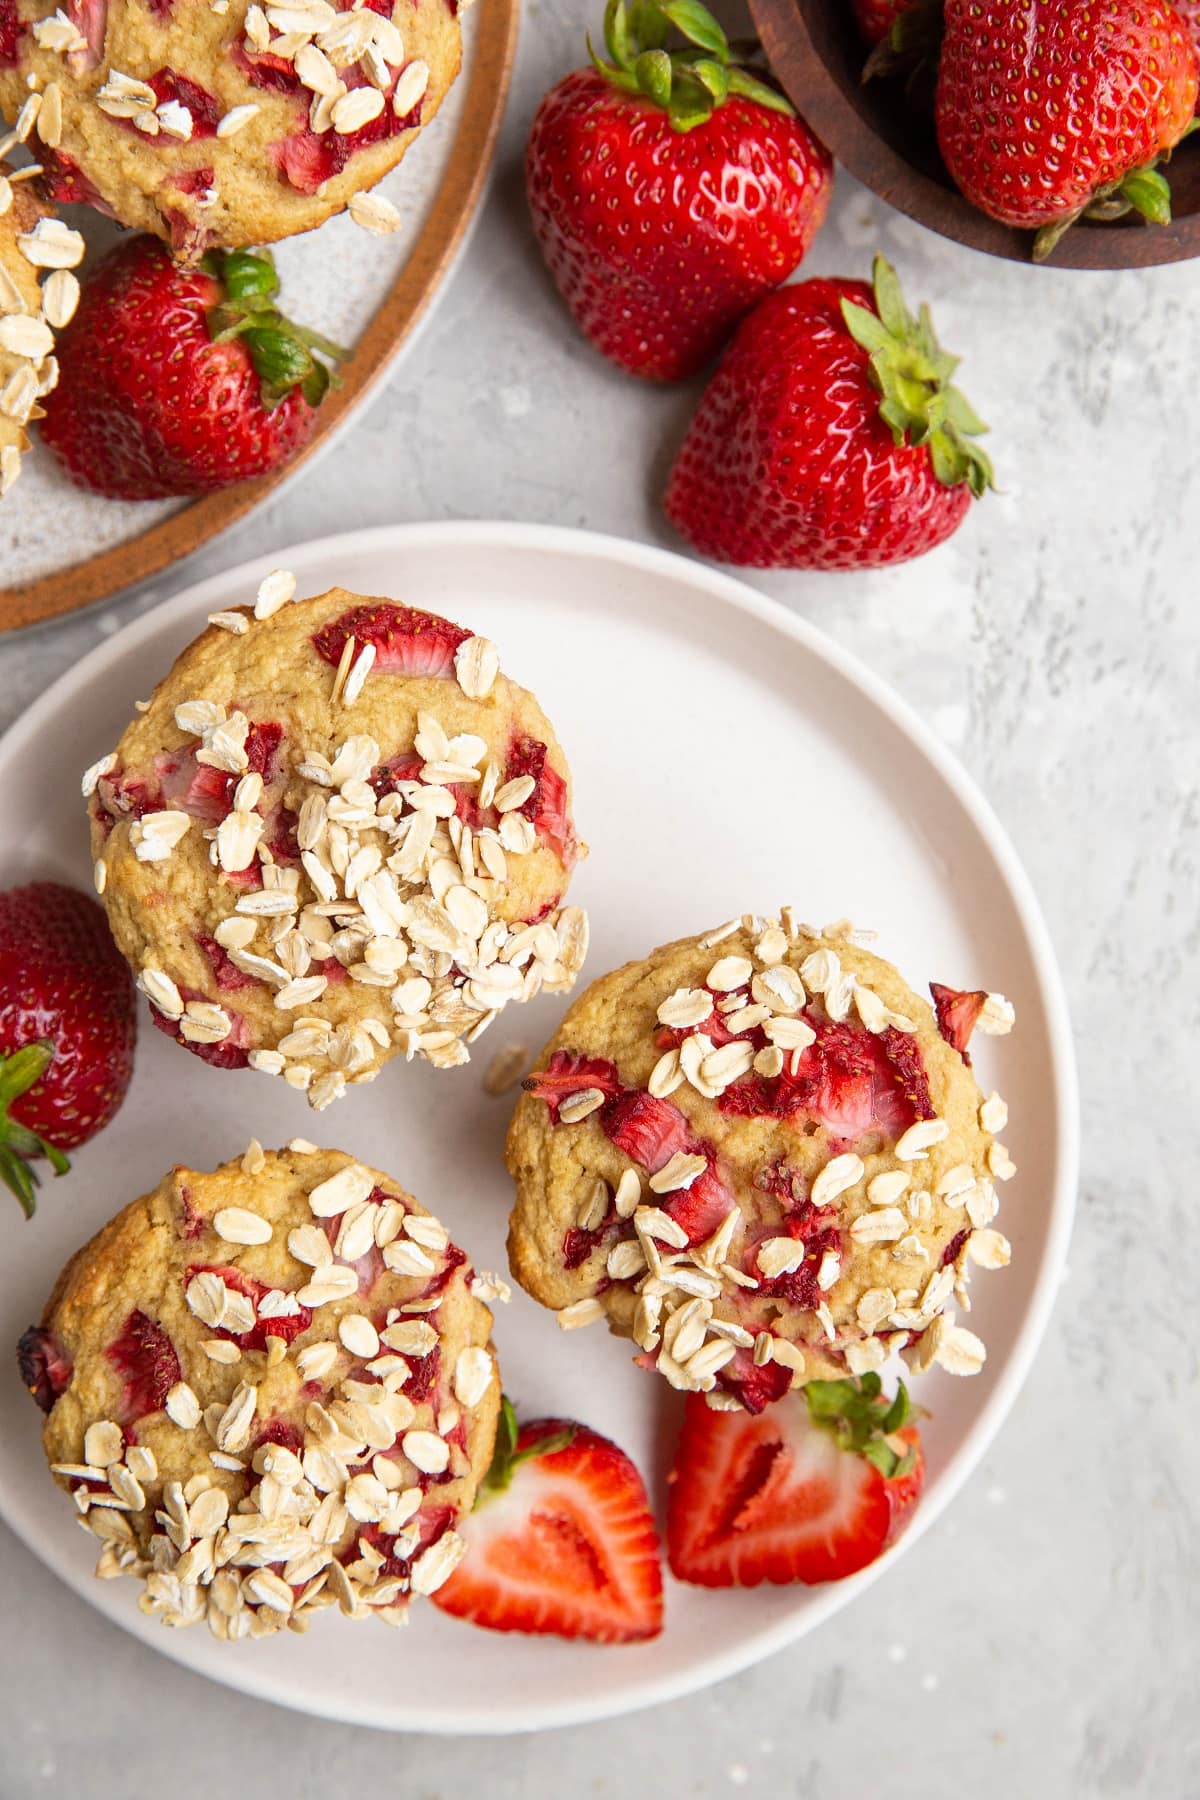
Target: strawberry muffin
[
  {"x": 223, "y": 124},
  {"x": 268, "y": 1390},
  {"x": 762, "y": 1157},
  {"x": 336, "y": 834},
  {"x": 38, "y": 294}
]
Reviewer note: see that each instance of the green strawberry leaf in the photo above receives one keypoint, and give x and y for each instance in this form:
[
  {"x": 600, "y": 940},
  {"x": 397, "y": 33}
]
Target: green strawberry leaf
[
  {"x": 697, "y": 24},
  {"x": 750, "y": 88},
  {"x": 861, "y": 1420},
  {"x": 689, "y": 81},
  {"x": 1148, "y": 192},
  {"x": 21, "y": 1070},
  {"x": 653, "y": 71},
  {"x": 911, "y": 371}
]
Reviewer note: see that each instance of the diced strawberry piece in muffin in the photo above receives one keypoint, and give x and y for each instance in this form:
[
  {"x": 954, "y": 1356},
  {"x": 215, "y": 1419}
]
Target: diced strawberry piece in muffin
[
  {"x": 231, "y": 1052},
  {"x": 566, "y": 1074},
  {"x": 203, "y": 107},
  {"x": 10, "y": 33},
  {"x": 62, "y": 180},
  {"x": 648, "y": 1130},
  {"x": 756, "y": 1385},
  {"x": 146, "y": 1357},
  {"x": 546, "y": 808},
  {"x": 45, "y": 1367},
  {"x": 285, "y": 1325},
  {"x": 957, "y": 1014},
  {"x": 90, "y": 17},
  {"x": 228, "y": 976},
  {"x": 264, "y": 69},
  {"x": 406, "y": 640}
]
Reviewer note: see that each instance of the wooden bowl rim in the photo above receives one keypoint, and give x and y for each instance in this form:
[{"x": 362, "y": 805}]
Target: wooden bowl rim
[
  {"x": 815, "y": 92},
  {"x": 172, "y": 539}
]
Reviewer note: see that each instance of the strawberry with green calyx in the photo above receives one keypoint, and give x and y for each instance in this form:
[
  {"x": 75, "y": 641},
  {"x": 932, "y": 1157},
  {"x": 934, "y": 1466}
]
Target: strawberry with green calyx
[
  {"x": 285, "y": 356},
  {"x": 906, "y": 47},
  {"x": 181, "y": 381},
  {"x": 1117, "y": 91},
  {"x": 813, "y": 1489},
  {"x": 561, "y": 1541},
  {"x": 67, "y": 1029},
  {"x": 831, "y": 435},
  {"x": 670, "y": 188}
]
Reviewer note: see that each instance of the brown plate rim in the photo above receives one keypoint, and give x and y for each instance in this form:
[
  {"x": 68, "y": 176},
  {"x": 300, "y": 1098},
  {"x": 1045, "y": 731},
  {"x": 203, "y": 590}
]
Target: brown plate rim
[
  {"x": 171, "y": 540},
  {"x": 786, "y": 36}
]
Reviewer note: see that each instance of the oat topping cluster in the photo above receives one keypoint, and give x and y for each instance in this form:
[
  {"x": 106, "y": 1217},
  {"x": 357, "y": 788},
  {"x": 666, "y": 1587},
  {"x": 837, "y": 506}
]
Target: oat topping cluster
[
  {"x": 38, "y": 296},
  {"x": 391, "y": 890},
  {"x": 341, "y": 1491},
  {"x": 737, "y": 1234}
]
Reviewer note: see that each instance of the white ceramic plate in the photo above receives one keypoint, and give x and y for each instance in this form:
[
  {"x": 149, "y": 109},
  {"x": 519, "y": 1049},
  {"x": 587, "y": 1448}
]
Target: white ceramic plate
[{"x": 726, "y": 758}]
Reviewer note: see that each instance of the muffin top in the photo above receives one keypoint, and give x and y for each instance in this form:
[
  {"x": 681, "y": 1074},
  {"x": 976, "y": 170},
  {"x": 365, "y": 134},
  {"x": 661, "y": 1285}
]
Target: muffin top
[
  {"x": 227, "y": 124},
  {"x": 755, "y": 1153},
  {"x": 269, "y": 1389},
  {"x": 336, "y": 834},
  {"x": 38, "y": 294}
]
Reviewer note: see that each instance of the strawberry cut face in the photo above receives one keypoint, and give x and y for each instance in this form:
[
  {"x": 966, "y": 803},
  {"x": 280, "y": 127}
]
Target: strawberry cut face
[
  {"x": 406, "y": 640},
  {"x": 147, "y": 1358},
  {"x": 569, "y": 1549},
  {"x": 770, "y": 1499}
]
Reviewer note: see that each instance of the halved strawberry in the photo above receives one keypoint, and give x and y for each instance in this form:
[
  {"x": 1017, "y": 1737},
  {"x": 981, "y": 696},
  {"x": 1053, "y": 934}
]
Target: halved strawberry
[
  {"x": 406, "y": 640},
  {"x": 957, "y": 1013},
  {"x": 45, "y": 1367},
  {"x": 147, "y": 1358},
  {"x": 561, "y": 1542},
  {"x": 813, "y": 1489}
]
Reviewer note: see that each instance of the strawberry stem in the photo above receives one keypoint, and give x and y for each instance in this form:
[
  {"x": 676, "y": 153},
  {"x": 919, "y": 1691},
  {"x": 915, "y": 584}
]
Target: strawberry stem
[
  {"x": 912, "y": 372},
  {"x": 21, "y": 1070},
  {"x": 507, "y": 1459},
  {"x": 861, "y": 1418},
  {"x": 690, "y": 81},
  {"x": 285, "y": 356}
]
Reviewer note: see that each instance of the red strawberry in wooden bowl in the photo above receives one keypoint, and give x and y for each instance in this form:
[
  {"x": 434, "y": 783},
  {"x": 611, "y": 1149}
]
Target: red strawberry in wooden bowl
[
  {"x": 830, "y": 436},
  {"x": 1045, "y": 113},
  {"x": 670, "y": 189},
  {"x": 181, "y": 381},
  {"x": 67, "y": 1029}
]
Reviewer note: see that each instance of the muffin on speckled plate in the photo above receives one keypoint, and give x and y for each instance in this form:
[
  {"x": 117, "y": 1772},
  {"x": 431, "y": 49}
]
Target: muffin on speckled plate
[
  {"x": 760, "y": 1155},
  {"x": 223, "y": 124},
  {"x": 336, "y": 835},
  {"x": 38, "y": 295},
  {"x": 269, "y": 1390}
]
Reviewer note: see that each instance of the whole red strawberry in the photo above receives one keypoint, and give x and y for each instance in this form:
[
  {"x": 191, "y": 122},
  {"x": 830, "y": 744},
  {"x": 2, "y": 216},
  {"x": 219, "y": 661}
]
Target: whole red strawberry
[
  {"x": 67, "y": 1028},
  {"x": 181, "y": 381},
  {"x": 830, "y": 436},
  {"x": 1045, "y": 112},
  {"x": 670, "y": 190}
]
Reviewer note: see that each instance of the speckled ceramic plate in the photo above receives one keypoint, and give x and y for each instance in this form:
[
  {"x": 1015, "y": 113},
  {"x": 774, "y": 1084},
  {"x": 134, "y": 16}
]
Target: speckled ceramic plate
[
  {"x": 61, "y": 548},
  {"x": 726, "y": 757}
]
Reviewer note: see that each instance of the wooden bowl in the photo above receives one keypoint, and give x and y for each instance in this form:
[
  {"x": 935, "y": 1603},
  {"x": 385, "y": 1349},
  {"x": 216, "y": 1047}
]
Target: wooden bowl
[{"x": 818, "y": 55}]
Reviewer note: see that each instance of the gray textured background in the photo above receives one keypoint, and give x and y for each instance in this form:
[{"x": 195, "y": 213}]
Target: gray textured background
[{"x": 1042, "y": 1640}]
